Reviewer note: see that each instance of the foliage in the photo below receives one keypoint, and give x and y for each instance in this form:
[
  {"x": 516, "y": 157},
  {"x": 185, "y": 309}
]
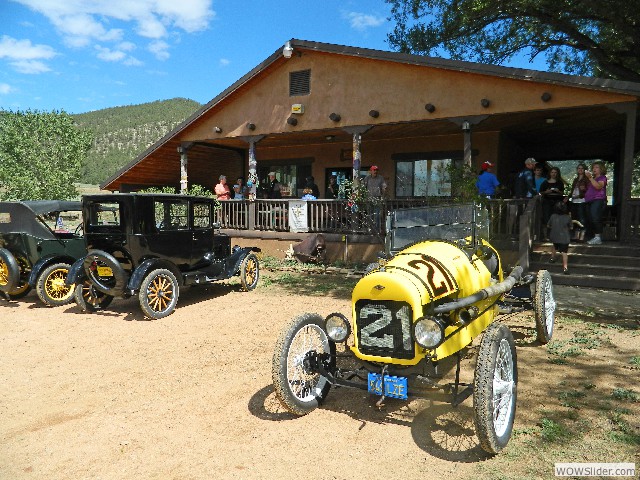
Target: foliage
[
  {"x": 463, "y": 182},
  {"x": 576, "y": 36},
  {"x": 122, "y": 133},
  {"x": 40, "y": 155},
  {"x": 195, "y": 190}
]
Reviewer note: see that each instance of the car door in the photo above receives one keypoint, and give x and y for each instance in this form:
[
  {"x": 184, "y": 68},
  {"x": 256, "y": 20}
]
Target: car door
[
  {"x": 172, "y": 238},
  {"x": 202, "y": 230}
]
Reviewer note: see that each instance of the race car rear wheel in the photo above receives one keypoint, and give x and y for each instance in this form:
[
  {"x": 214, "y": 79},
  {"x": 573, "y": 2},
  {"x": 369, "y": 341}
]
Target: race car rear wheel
[
  {"x": 544, "y": 306},
  {"x": 298, "y": 387},
  {"x": 159, "y": 293},
  {"x": 50, "y": 286},
  {"x": 9, "y": 271},
  {"x": 494, "y": 388},
  {"x": 249, "y": 272},
  {"x": 89, "y": 298}
]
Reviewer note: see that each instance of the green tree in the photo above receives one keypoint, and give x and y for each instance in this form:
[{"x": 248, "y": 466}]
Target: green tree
[
  {"x": 586, "y": 37},
  {"x": 41, "y": 154}
]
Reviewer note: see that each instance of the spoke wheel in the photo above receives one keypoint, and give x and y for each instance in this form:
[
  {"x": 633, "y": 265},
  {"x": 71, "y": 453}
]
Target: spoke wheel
[
  {"x": 249, "y": 272},
  {"x": 545, "y": 306},
  {"x": 22, "y": 288},
  {"x": 159, "y": 293},
  {"x": 9, "y": 271},
  {"x": 297, "y": 386},
  {"x": 89, "y": 298},
  {"x": 494, "y": 390},
  {"x": 50, "y": 286}
]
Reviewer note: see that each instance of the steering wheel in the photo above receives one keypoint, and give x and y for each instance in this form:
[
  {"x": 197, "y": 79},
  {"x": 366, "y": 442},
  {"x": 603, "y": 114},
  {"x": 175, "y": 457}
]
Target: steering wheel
[{"x": 79, "y": 230}]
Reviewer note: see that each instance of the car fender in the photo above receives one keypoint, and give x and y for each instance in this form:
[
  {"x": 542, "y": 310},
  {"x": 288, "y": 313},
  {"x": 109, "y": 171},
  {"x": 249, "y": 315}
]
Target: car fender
[
  {"x": 148, "y": 265},
  {"x": 43, "y": 263},
  {"x": 76, "y": 272},
  {"x": 237, "y": 256}
]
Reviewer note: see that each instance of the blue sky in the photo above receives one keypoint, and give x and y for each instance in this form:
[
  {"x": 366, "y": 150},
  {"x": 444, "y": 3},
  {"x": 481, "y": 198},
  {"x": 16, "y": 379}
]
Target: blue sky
[{"x": 84, "y": 55}]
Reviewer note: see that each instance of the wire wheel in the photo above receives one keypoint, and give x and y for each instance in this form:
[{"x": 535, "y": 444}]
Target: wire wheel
[
  {"x": 298, "y": 387},
  {"x": 159, "y": 293},
  {"x": 51, "y": 288},
  {"x": 545, "y": 306},
  {"x": 494, "y": 390},
  {"x": 22, "y": 288}
]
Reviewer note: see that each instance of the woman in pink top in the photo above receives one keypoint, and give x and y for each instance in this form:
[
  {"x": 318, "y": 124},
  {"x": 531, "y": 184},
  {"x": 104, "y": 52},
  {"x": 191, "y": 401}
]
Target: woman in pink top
[
  {"x": 596, "y": 199},
  {"x": 222, "y": 189}
]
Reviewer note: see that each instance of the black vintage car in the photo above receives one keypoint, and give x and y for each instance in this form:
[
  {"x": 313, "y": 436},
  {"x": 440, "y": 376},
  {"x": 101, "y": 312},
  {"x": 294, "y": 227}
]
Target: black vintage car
[
  {"x": 39, "y": 240},
  {"x": 151, "y": 245}
]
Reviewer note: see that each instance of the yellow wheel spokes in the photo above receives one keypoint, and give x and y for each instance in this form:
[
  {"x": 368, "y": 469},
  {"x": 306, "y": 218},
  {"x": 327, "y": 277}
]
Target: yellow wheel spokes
[
  {"x": 250, "y": 272},
  {"x": 4, "y": 273},
  {"x": 160, "y": 293},
  {"x": 55, "y": 287}
]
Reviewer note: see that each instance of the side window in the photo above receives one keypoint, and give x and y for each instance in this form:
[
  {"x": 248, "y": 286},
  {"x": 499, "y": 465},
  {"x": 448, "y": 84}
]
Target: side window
[
  {"x": 104, "y": 214},
  {"x": 171, "y": 214},
  {"x": 201, "y": 215}
]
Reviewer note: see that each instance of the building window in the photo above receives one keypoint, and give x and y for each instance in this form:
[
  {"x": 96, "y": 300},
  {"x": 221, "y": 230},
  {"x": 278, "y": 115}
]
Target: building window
[
  {"x": 423, "y": 177},
  {"x": 299, "y": 83}
]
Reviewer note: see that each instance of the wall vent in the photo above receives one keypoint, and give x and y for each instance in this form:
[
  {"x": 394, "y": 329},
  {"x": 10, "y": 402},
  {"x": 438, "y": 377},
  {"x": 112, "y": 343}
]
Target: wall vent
[{"x": 299, "y": 83}]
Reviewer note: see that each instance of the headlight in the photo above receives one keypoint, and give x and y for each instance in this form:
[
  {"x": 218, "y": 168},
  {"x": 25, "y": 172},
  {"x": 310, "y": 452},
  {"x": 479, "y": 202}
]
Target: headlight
[
  {"x": 337, "y": 327},
  {"x": 429, "y": 332}
]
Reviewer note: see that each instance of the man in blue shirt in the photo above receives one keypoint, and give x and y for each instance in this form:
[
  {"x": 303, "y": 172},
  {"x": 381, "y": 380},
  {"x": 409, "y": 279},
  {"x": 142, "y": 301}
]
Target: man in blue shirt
[
  {"x": 487, "y": 181},
  {"x": 525, "y": 183}
]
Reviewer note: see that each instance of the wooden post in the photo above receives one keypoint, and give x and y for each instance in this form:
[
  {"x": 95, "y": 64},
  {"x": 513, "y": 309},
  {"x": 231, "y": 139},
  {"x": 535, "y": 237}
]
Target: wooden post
[
  {"x": 357, "y": 142},
  {"x": 184, "y": 177}
]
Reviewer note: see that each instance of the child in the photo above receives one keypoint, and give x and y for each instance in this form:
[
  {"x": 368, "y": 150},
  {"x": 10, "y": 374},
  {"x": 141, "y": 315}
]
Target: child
[{"x": 559, "y": 226}]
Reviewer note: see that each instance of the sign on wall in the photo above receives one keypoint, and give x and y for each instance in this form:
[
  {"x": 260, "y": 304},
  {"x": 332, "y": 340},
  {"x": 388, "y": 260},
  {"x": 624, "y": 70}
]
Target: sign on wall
[{"x": 298, "y": 220}]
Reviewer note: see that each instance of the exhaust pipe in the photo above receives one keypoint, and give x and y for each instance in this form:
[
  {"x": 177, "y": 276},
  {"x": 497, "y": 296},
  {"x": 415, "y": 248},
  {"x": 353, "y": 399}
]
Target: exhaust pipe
[{"x": 490, "y": 291}]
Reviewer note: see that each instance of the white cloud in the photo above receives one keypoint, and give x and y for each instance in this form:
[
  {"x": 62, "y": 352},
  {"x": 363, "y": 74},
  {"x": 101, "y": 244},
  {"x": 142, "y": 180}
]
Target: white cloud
[
  {"x": 30, "y": 66},
  {"x": 109, "y": 55},
  {"x": 133, "y": 62},
  {"x": 159, "y": 49},
  {"x": 224, "y": 62},
  {"x": 362, "y": 21},
  {"x": 13, "y": 49},
  {"x": 5, "y": 88},
  {"x": 83, "y": 22}
]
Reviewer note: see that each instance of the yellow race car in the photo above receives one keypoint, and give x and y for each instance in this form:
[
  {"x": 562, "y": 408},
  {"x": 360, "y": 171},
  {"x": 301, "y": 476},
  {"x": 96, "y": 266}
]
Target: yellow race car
[{"x": 439, "y": 286}]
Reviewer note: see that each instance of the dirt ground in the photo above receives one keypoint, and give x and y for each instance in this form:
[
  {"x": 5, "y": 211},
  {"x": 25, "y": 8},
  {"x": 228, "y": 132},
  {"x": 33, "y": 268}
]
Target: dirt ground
[{"x": 111, "y": 395}]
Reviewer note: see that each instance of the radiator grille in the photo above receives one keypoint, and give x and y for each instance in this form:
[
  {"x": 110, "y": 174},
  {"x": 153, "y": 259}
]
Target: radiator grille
[{"x": 384, "y": 329}]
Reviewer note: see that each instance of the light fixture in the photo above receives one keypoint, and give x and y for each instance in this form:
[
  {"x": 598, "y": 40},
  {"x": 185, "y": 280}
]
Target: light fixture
[
  {"x": 549, "y": 121},
  {"x": 466, "y": 126},
  {"x": 217, "y": 129},
  {"x": 485, "y": 103},
  {"x": 545, "y": 97},
  {"x": 292, "y": 121},
  {"x": 251, "y": 126},
  {"x": 287, "y": 51},
  {"x": 180, "y": 150},
  {"x": 335, "y": 117},
  {"x": 374, "y": 113},
  {"x": 337, "y": 327},
  {"x": 328, "y": 138},
  {"x": 430, "y": 107}
]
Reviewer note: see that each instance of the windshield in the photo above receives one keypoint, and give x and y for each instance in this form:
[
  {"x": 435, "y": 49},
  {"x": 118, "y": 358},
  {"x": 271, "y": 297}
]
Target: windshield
[{"x": 441, "y": 222}]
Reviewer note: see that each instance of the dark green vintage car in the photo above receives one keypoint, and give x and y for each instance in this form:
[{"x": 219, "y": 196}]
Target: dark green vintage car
[{"x": 39, "y": 240}]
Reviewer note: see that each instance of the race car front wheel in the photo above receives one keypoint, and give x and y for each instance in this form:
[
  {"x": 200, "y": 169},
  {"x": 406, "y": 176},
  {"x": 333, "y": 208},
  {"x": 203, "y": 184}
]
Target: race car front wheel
[
  {"x": 89, "y": 298},
  {"x": 544, "y": 306},
  {"x": 249, "y": 272},
  {"x": 51, "y": 288},
  {"x": 159, "y": 293},
  {"x": 494, "y": 388},
  {"x": 299, "y": 388}
]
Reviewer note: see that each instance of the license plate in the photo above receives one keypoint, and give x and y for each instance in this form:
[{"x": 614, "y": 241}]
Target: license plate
[
  {"x": 105, "y": 271},
  {"x": 394, "y": 387}
]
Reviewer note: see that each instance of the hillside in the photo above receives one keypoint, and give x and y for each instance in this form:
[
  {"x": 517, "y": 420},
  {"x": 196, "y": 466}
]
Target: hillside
[{"x": 121, "y": 133}]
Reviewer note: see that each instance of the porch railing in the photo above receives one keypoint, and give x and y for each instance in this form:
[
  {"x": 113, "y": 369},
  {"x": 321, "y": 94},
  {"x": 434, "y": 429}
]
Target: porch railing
[{"x": 336, "y": 216}]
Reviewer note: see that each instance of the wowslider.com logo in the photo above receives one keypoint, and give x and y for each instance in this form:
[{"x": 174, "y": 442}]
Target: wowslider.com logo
[{"x": 595, "y": 469}]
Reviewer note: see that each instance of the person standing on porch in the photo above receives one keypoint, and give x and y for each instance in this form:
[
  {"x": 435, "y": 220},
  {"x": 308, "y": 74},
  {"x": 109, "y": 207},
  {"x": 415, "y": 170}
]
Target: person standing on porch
[
  {"x": 222, "y": 190},
  {"x": 525, "y": 186},
  {"x": 273, "y": 187},
  {"x": 487, "y": 181},
  {"x": 376, "y": 188},
  {"x": 596, "y": 199}
]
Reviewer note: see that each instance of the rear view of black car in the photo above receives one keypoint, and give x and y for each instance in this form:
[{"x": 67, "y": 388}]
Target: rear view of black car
[{"x": 152, "y": 244}]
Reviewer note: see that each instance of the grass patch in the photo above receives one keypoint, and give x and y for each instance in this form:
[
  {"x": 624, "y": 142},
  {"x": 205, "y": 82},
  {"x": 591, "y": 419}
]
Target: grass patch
[
  {"x": 635, "y": 361},
  {"x": 553, "y": 431},
  {"x": 570, "y": 398},
  {"x": 625, "y": 395}
]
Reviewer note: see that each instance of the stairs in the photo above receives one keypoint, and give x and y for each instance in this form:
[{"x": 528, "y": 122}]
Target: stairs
[{"x": 609, "y": 266}]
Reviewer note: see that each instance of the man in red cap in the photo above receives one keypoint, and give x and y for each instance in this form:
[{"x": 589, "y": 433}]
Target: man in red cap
[{"x": 487, "y": 181}]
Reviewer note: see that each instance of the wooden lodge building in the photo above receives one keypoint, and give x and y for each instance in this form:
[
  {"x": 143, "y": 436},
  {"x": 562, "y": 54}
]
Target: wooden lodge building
[{"x": 320, "y": 109}]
